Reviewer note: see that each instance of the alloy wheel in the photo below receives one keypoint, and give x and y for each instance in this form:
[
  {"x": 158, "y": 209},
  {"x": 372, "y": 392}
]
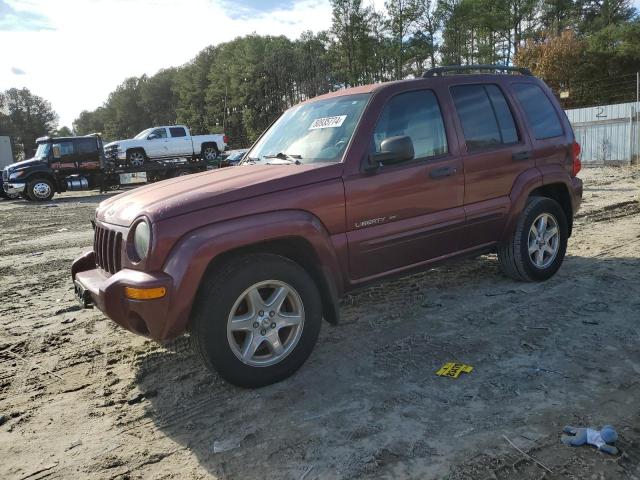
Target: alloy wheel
[
  {"x": 136, "y": 159},
  {"x": 265, "y": 323},
  {"x": 544, "y": 240},
  {"x": 210, "y": 153}
]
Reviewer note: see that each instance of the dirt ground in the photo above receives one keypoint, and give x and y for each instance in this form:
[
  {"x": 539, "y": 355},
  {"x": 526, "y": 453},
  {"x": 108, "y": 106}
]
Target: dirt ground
[{"x": 81, "y": 398}]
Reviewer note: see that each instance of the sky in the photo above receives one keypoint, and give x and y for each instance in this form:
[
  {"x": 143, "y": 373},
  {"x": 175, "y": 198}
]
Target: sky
[{"x": 75, "y": 52}]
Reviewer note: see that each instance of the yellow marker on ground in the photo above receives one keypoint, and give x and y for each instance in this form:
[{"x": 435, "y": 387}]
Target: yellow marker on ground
[{"x": 454, "y": 370}]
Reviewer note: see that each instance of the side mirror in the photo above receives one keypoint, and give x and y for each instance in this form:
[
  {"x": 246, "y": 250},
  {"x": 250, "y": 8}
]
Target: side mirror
[
  {"x": 56, "y": 152},
  {"x": 393, "y": 150},
  {"x": 153, "y": 136}
]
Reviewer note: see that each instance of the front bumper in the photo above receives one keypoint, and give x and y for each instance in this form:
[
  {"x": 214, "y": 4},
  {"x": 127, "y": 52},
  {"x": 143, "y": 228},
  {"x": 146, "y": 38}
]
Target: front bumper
[
  {"x": 13, "y": 188},
  {"x": 149, "y": 318},
  {"x": 115, "y": 154}
]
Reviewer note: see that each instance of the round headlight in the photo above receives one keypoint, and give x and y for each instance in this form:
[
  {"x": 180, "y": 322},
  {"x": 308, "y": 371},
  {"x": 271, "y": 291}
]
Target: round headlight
[{"x": 141, "y": 239}]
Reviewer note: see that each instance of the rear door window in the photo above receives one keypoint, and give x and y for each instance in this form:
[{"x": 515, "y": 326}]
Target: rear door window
[
  {"x": 485, "y": 116},
  {"x": 177, "y": 132},
  {"x": 66, "y": 149},
  {"x": 417, "y": 115},
  {"x": 539, "y": 111}
]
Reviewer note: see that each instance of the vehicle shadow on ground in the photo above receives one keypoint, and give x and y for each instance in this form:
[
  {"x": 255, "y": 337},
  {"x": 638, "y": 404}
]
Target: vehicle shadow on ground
[
  {"x": 368, "y": 398},
  {"x": 94, "y": 198}
]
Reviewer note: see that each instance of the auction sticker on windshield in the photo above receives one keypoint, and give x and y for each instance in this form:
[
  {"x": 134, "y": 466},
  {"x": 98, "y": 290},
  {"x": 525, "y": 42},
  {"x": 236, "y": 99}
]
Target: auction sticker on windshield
[{"x": 328, "y": 122}]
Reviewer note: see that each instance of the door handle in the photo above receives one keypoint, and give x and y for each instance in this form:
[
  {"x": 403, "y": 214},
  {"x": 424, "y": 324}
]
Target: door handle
[
  {"x": 526, "y": 155},
  {"x": 442, "y": 172}
]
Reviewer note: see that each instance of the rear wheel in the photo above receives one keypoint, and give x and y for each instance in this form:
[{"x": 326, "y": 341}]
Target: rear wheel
[
  {"x": 536, "y": 249},
  {"x": 135, "y": 158},
  {"x": 40, "y": 190},
  {"x": 209, "y": 153},
  {"x": 256, "y": 320}
]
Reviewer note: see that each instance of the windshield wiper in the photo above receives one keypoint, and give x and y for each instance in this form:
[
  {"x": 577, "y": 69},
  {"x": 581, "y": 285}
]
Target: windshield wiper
[
  {"x": 286, "y": 156},
  {"x": 249, "y": 160}
]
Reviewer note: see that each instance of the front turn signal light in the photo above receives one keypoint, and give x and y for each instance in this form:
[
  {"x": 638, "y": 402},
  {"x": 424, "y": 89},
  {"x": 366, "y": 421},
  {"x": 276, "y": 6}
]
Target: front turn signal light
[{"x": 145, "y": 293}]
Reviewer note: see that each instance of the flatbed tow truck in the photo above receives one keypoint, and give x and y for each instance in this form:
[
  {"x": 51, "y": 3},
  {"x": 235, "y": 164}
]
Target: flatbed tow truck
[{"x": 63, "y": 164}]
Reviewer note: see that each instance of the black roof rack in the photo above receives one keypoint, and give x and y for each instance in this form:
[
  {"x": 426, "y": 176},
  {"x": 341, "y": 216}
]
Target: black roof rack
[{"x": 438, "y": 71}]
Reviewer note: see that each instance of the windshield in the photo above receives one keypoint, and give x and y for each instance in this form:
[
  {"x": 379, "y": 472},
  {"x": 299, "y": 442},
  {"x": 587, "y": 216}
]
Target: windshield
[
  {"x": 312, "y": 132},
  {"x": 143, "y": 133},
  {"x": 42, "y": 153}
]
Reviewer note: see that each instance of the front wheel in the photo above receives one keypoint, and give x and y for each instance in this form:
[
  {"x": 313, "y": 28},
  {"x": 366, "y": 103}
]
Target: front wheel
[
  {"x": 11, "y": 196},
  {"x": 536, "y": 249},
  {"x": 256, "y": 319},
  {"x": 135, "y": 158},
  {"x": 40, "y": 190}
]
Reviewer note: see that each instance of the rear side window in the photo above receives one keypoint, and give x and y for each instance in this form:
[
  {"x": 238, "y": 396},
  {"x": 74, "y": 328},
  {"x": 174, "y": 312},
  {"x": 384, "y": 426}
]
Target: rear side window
[
  {"x": 539, "y": 111},
  {"x": 177, "y": 132},
  {"x": 485, "y": 116},
  {"x": 66, "y": 148},
  {"x": 417, "y": 115},
  {"x": 86, "y": 146}
]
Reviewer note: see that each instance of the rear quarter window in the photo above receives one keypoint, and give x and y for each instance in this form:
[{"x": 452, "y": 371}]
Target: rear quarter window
[{"x": 538, "y": 109}]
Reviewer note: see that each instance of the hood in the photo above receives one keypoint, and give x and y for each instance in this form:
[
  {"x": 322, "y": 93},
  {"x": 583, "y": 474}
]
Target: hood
[
  {"x": 170, "y": 198},
  {"x": 24, "y": 164},
  {"x": 121, "y": 143}
]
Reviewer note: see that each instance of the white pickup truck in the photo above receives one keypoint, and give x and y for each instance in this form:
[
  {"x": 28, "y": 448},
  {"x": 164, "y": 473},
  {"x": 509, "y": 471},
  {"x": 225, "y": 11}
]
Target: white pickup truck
[{"x": 172, "y": 141}]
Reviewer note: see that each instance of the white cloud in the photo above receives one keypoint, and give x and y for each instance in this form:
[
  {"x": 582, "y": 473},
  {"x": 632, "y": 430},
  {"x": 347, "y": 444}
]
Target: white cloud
[{"x": 93, "y": 45}]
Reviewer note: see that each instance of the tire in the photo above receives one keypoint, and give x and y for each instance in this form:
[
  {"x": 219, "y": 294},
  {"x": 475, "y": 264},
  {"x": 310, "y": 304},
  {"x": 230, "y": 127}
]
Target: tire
[
  {"x": 181, "y": 172},
  {"x": 530, "y": 258},
  {"x": 40, "y": 190},
  {"x": 9, "y": 196},
  {"x": 230, "y": 288},
  {"x": 210, "y": 152},
  {"x": 136, "y": 158}
]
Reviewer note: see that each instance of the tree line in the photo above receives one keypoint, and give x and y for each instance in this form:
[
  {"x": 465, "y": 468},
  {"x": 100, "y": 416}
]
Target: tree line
[
  {"x": 24, "y": 117},
  {"x": 588, "y": 50}
]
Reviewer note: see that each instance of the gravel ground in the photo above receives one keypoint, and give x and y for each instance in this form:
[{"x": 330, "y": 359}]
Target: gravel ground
[{"x": 81, "y": 398}]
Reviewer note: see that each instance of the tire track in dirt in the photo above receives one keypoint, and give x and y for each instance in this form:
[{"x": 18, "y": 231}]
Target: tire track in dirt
[{"x": 610, "y": 212}]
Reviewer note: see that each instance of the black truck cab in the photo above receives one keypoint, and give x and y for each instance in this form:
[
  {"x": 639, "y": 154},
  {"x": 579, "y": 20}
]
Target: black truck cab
[{"x": 59, "y": 164}]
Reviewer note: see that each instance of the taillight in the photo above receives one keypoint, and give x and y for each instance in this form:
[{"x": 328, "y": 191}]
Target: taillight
[
  {"x": 577, "y": 164},
  {"x": 225, "y": 139}
]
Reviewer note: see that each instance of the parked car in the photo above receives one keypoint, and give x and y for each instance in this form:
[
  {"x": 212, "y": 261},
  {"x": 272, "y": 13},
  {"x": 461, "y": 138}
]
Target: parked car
[
  {"x": 166, "y": 142},
  {"x": 342, "y": 190},
  {"x": 234, "y": 157}
]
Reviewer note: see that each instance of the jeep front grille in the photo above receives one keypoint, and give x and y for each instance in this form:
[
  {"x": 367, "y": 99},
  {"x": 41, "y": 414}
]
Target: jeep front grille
[{"x": 107, "y": 246}]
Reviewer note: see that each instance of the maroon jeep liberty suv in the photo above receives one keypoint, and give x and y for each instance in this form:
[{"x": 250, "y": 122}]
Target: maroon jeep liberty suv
[{"x": 343, "y": 189}]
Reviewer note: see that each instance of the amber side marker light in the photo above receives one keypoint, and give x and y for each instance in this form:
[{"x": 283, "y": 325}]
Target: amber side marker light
[{"x": 144, "y": 293}]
